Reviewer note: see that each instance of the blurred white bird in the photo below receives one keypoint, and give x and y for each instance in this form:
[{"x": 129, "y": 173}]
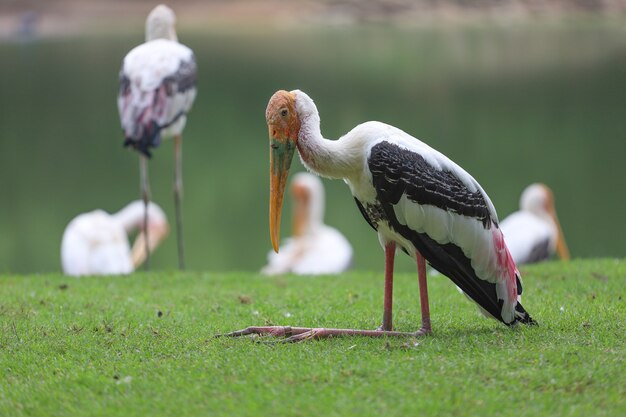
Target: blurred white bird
[
  {"x": 157, "y": 90},
  {"x": 534, "y": 233},
  {"x": 314, "y": 248},
  {"x": 96, "y": 243}
]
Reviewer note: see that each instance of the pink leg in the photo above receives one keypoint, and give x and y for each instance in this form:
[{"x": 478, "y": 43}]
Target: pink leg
[
  {"x": 421, "y": 274},
  {"x": 145, "y": 195},
  {"x": 297, "y": 334},
  {"x": 178, "y": 198},
  {"x": 390, "y": 251}
]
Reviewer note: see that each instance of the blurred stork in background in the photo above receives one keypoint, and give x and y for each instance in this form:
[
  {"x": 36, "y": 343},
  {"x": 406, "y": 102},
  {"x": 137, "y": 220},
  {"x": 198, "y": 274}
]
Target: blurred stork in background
[
  {"x": 533, "y": 233},
  {"x": 157, "y": 89},
  {"x": 314, "y": 247},
  {"x": 96, "y": 243}
]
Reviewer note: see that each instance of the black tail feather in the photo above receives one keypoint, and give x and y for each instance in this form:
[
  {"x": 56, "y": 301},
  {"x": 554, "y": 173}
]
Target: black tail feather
[
  {"x": 522, "y": 316},
  {"x": 150, "y": 138},
  {"x": 138, "y": 146},
  {"x": 451, "y": 262}
]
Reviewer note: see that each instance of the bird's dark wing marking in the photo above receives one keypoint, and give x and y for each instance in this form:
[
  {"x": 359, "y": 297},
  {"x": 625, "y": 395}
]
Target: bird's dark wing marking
[
  {"x": 183, "y": 79},
  {"x": 397, "y": 171},
  {"x": 364, "y": 212},
  {"x": 538, "y": 253},
  {"x": 450, "y": 260},
  {"x": 180, "y": 82},
  {"x": 124, "y": 83},
  {"x": 147, "y": 134}
]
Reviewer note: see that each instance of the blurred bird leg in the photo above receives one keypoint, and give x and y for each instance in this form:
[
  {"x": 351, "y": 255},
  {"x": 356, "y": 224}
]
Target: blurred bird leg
[
  {"x": 145, "y": 195},
  {"x": 178, "y": 197}
]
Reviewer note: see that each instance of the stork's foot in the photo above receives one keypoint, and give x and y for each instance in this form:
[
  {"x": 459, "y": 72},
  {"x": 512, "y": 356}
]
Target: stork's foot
[
  {"x": 286, "y": 331},
  {"x": 424, "y": 331},
  {"x": 321, "y": 333},
  {"x": 299, "y": 334}
]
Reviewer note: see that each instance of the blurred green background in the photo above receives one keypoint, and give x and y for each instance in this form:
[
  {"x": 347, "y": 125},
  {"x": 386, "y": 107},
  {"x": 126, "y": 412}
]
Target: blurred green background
[{"x": 512, "y": 104}]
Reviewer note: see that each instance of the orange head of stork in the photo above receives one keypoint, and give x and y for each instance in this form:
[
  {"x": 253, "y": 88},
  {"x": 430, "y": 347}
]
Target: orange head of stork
[
  {"x": 283, "y": 123},
  {"x": 538, "y": 199}
]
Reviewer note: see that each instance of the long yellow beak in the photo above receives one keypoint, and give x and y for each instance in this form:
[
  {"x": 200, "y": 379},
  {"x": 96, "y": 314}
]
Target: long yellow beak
[
  {"x": 156, "y": 234},
  {"x": 300, "y": 209},
  {"x": 281, "y": 154},
  {"x": 561, "y": 246}
]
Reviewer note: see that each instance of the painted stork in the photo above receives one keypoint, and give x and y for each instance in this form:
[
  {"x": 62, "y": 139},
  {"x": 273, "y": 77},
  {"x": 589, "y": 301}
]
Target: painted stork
[
  {"x": 534, "y": 233},
  {"x": 314, "y": 248},
  {"x": 157, "y": 90},
  {"x": 413, "y": 196},
  {"x": 96, "y": 243}
]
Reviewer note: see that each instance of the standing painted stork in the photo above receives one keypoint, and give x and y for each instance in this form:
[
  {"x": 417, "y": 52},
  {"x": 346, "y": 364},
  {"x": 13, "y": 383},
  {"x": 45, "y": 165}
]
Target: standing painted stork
[
  {"x": 96, "y": 243},
  {"x": 314, "y": 248},
  {"x": 157, "y": 90},
  {"x": 534, "y": 233},
  {"x": 413, "y": 196}
]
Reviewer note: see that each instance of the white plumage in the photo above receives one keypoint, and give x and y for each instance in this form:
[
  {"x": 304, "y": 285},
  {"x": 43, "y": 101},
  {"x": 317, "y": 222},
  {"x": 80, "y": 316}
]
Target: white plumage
[
  {"x": 96, "y": 243},
  {"x": 416, "y": 198},
  {"x": 484, "y": 247},
  {"x": 441, "y": 225},
  {"x": 157, "y": 90},
  {"x": 148, "y": 101},
  {"x": 314, "y": 247},
  {"x": 157, "y": 84},
  {"x": 353, "y": 151},
  {"x": 533, "y": 233}
]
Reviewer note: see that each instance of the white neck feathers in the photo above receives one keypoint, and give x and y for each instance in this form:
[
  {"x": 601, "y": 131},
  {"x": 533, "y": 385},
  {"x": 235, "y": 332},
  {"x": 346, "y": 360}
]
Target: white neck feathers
[
  {"x": 160, "y": 24},
  {"x": 328, "y": 158},
  {"x": 131, "y": 216}
]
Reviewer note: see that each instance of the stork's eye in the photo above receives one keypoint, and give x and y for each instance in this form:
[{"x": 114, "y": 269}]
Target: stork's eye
[{"x": 284, "y": 112}]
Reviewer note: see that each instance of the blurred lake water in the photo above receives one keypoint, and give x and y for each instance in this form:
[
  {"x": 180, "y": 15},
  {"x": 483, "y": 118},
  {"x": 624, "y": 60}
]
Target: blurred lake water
[{"x": 532, "y": 102}]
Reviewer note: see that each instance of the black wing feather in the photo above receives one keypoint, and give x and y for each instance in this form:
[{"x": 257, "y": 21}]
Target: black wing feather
[
  {"x": 397, "y": 171},
  {"x": 365, "y": 215},
  {"x": 183, "y": 79}
]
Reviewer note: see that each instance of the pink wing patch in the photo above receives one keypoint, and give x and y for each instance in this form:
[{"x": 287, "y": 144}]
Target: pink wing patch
[
  {"x": 506, "y": 264},
  {"x": 141, "y": 110}
]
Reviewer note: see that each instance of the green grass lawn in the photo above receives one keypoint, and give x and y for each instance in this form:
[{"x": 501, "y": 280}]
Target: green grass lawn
[{"x": 143, "y": 345}]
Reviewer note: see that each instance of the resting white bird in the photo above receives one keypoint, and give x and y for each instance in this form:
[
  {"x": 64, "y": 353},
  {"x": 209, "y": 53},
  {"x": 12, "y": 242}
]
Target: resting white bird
[
  {"x": 157, "y": 90},
  {"x": 534, "y": 233},
  {"x": 96, "y": 243},
  {"x": 314, "y": 247}
]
